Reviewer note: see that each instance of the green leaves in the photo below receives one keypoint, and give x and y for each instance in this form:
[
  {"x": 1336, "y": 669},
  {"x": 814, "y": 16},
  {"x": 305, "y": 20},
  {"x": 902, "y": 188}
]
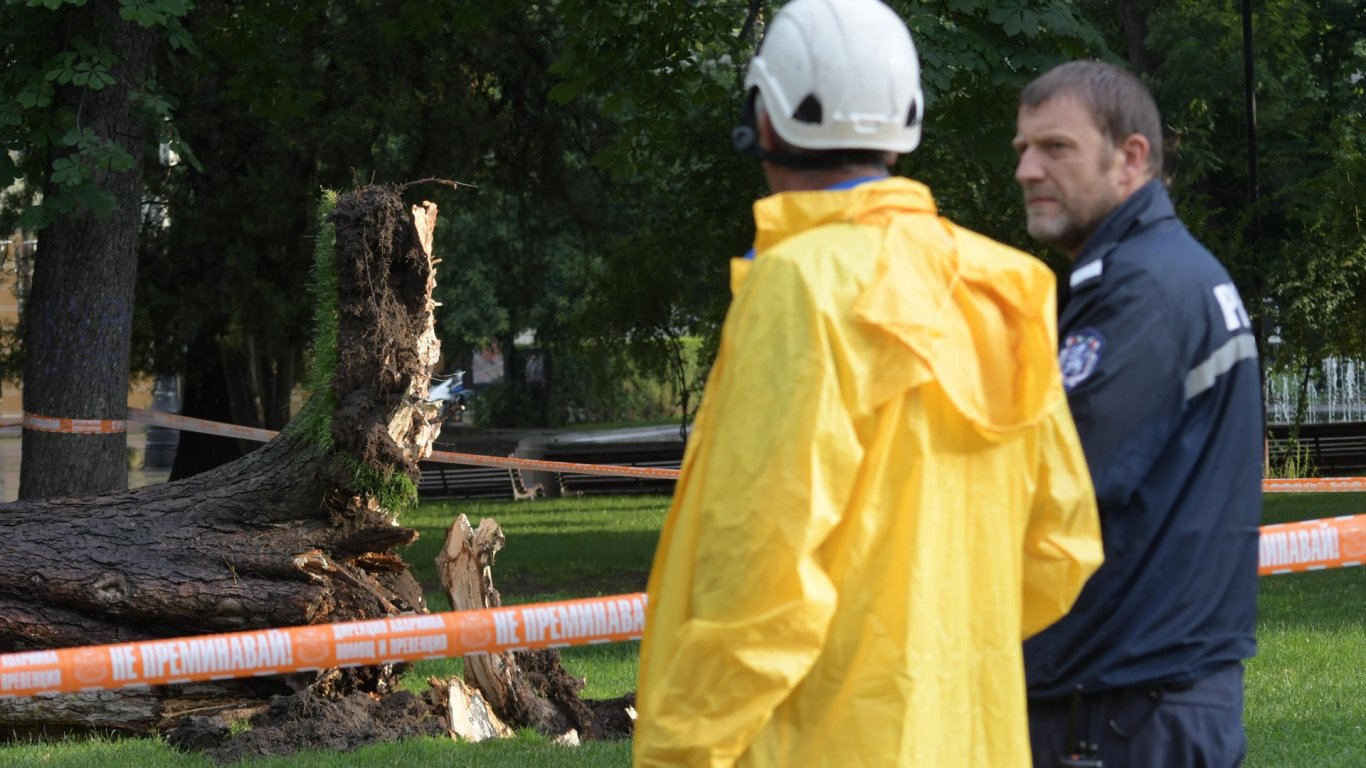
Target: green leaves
[
  {"x": 85, "y": 66},
  {"x": 564, "y": 92},
  {"x": 161, "y": 13},
  {"x": 34, "y": 95},
  {"x": 93, "y": 153},
  {"x": 153, "y": 13},
  {"x": 66, "y": 172},
  {"x": 62, "y": 65},
  {"x": 154, "y": 101},
  {"x": 1016, "y": 18},
  {"x": 967, "y": 6},
  {"x": 53, "y": 5}
]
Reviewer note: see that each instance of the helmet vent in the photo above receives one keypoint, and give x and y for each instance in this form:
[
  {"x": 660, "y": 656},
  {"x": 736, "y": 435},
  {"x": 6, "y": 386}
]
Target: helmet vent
[
  {"x": 914, "y": 116},
  {"x": 809, "y": 111}
]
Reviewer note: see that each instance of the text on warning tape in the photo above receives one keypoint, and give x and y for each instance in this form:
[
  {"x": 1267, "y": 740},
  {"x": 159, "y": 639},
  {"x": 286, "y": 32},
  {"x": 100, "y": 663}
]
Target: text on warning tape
[
  {"x": 303, "y": 649},
  {"x": 1312, "y": 545}
]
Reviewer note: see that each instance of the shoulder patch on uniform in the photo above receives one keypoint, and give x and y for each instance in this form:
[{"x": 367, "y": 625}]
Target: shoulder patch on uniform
[{"x": 1080, "y": 352}]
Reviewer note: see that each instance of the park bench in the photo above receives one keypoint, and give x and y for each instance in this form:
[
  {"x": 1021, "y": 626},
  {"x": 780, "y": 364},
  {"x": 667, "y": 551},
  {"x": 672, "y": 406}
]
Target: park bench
[
  {"x": 663, "y": 454},
  {"x": 448, "y": 481},
  {"x": 1332, "y": 450},
  {"x": 440, "y": 480},
  {"x": 521, "y": 491}
]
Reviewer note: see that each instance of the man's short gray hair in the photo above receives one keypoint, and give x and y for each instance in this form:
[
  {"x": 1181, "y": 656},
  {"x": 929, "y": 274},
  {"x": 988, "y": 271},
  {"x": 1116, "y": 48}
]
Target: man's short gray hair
[{"x": 1118, "y": 101}]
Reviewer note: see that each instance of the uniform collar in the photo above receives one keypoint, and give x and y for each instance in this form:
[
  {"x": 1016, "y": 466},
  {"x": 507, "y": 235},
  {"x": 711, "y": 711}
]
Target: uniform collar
[
  {"x": 851, "y": 183},
  {"x": 1147, "y": 205}
]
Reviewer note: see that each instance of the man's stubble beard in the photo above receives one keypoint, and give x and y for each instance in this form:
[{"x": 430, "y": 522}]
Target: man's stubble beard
[{"x": 1069, "y": 231}]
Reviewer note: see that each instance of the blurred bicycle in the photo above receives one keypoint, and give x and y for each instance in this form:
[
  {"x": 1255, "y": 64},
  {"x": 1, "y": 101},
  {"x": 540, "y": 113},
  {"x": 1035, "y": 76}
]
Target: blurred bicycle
[{"x": 451, "y": 394}]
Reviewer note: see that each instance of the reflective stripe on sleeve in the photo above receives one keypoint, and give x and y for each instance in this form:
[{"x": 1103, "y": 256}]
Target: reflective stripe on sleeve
[{"x": 1203, "y": 376}]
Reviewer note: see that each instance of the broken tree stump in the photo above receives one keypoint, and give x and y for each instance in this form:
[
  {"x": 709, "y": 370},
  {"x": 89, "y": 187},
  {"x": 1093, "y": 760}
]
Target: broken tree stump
[
  {"x": 524, "y": 689},
  {"x": 301, "y": 531}
]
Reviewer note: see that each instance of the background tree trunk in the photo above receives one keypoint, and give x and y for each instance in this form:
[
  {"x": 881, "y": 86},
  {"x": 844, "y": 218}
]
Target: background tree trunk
[
  {"x": 79, "y": 315},
  {"x": 1133, "y": 17},
  {"x": 205, "y": 396},
  {"x": 290, "y": 534}
]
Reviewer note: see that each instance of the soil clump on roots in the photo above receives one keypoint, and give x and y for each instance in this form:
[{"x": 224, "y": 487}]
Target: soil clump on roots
[{"x": 308, "y": 721}]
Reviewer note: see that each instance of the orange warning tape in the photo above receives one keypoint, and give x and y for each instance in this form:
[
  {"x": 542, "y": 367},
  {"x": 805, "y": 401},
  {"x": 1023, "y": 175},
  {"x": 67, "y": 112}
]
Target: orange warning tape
[
  {"x": 174, "y": 421},
  {"x": 618, "y": 470},
  {"x": 322, "y": 646},
  {"x": 1313, "y": 484},
  {"x": 191, "y": 424},
  {"x": 1312, "y": 545},
  {"x": 36, "y": 423}
]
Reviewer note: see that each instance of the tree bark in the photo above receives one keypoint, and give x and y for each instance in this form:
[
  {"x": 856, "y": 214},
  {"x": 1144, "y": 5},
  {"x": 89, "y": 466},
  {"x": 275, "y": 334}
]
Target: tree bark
[
  {"x": 286, "y": 535},
  {"x": 79, "y": 315},
  {"x": 1133, "y": 17}
]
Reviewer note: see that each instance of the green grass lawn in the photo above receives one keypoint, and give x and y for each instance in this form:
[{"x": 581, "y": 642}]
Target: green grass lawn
[{"x": 1306, "y": 689}]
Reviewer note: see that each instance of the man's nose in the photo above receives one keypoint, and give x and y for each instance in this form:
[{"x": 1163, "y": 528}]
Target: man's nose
[{"x": 1028, "y": 169}]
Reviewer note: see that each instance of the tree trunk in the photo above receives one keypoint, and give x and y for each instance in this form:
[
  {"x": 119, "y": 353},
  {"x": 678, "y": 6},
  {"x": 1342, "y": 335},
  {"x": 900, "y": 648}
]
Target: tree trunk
[
  {"x": 79, "y": 315},
  {"x": 1133, "y": 18},
  {"x": 289, "y": 534},
  {"x": 259, "y": 385},
  {"x": 524, "y": 689},
  {"x": 206, "y": 397}
]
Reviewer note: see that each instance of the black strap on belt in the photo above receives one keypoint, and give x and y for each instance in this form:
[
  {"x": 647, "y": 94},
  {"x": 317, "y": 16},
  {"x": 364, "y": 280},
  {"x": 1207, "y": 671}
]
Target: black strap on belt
[{"x": 1079, "y": 752}]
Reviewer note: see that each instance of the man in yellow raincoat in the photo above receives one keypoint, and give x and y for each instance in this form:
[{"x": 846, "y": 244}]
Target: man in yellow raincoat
[{"x": 884, "y": 491}]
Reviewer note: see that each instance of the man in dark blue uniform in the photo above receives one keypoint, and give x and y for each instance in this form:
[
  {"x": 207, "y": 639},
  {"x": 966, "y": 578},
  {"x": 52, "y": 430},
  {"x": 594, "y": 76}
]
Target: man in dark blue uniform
[{"x": 1160, "y": 367}]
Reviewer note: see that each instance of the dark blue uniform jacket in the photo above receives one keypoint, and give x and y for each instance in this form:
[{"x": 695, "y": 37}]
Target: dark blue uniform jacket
[{"x": 1161, "y": 371}]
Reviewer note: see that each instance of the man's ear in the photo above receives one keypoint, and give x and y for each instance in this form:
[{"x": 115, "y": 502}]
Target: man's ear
[
  {"x": 768, "y": 138},
  {"x": 1133, "y": 153}
]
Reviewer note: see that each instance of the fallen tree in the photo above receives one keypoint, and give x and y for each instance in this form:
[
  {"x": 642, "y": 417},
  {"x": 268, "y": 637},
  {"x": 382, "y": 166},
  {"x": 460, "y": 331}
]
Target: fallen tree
[
  {"x": 499, "y": 693},
  {"x": 303, "y": 530}
]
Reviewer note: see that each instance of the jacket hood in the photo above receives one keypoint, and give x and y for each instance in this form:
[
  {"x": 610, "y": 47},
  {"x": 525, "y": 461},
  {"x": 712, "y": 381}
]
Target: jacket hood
[{"x": 958, "y": 308}]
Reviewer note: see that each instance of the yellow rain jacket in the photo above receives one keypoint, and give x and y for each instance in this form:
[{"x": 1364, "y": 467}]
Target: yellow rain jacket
[{"x": 883, "y": 495}]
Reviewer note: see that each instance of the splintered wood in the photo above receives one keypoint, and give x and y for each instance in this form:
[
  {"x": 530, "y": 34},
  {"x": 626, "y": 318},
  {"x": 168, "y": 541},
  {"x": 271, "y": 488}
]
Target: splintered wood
[{"x": 416, "y": 424}]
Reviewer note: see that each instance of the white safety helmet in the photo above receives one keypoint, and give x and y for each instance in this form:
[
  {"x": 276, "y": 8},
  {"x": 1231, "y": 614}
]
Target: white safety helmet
[{"x": 839, "y": 75}]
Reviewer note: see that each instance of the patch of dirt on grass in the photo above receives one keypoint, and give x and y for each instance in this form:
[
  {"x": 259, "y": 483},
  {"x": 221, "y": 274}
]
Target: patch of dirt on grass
[{"x": 305, "y": 720}]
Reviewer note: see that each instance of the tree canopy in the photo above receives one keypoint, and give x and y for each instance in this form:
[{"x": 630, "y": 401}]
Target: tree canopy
[{"x": 603, "y": 199}]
